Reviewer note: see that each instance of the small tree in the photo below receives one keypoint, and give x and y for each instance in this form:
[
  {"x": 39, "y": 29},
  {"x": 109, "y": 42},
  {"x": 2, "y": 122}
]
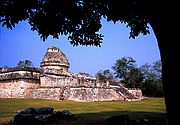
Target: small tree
[
  {"x": 104, "y": 75},
  {"x": 25, "y": 63},
  {"x": 127, "y": 71},
  {"x": 152, "y": 83},
  {"x": 134, "y": 78}
]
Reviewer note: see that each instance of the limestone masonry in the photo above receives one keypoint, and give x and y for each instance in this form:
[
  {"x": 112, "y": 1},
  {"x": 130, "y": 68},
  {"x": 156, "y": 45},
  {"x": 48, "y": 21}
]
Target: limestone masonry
[{"x": 53, "y": 81}]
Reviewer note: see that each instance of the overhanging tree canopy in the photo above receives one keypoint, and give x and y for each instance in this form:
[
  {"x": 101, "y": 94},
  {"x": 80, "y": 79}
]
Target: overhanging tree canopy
[{"x": 80, "y": 20}]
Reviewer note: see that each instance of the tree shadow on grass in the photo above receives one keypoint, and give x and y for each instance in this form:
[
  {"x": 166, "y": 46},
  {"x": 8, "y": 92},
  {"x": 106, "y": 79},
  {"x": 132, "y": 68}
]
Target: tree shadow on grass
[{"x": 100, "y": 118}]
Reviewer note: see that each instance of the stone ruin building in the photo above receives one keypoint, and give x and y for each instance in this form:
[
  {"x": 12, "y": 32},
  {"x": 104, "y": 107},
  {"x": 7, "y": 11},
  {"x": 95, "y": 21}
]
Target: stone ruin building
[{"x": 53, "y": 81}]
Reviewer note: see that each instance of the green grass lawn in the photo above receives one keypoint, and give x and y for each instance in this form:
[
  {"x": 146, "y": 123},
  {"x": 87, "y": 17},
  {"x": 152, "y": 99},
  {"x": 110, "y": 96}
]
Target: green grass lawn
[{"x": 150, "y": 108}]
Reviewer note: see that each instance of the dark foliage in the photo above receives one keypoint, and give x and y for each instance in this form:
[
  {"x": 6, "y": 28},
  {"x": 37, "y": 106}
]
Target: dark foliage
[{"x": 80, "y": 20}]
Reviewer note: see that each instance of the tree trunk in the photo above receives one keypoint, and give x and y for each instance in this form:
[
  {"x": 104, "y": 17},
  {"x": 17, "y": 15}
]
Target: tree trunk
[{"x": 163, "y": 27}]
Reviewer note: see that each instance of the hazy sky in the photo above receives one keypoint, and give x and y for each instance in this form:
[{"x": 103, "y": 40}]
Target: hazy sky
[{"x": 21, "y": 43}]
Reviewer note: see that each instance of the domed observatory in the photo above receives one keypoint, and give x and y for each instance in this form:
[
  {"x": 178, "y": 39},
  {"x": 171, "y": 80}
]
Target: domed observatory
[{"x": 55, "y": 59}]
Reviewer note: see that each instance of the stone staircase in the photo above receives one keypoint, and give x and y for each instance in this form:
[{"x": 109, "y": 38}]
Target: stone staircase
[{"x": 123, "y": 91}]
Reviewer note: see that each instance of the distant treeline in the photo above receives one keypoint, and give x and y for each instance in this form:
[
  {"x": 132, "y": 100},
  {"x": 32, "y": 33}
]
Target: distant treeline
[{"x": 147, "y": 77}]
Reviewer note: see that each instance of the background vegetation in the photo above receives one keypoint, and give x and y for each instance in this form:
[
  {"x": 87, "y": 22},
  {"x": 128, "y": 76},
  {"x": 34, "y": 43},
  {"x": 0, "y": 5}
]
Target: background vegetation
[{"x": 147, "y": 77}]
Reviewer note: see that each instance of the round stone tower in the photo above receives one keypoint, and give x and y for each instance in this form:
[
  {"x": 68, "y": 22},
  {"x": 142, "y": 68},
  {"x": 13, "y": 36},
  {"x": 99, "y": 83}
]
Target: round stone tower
[{"x": 55, "y": 59}]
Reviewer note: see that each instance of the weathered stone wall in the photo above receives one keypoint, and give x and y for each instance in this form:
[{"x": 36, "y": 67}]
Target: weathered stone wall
[
  {"x": 18, "y": 75},
  {"x": 17, "y": 88},
  {"x": 136, "y": 92},
  {"x": 55, "y": 78},
  {"x": 94, "y": 94},
  {"x": 15, "y": 81},
  {"x": 56, "y": 81},
  {"x": 57, "y": 85},
  {"x": 59, "y": 93},
  {"x": 75, "y": 94},
  {"x": 73, "y": 80},
  {"x": 45, "y": 93},
  {"x": 62, "y": 68}
]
